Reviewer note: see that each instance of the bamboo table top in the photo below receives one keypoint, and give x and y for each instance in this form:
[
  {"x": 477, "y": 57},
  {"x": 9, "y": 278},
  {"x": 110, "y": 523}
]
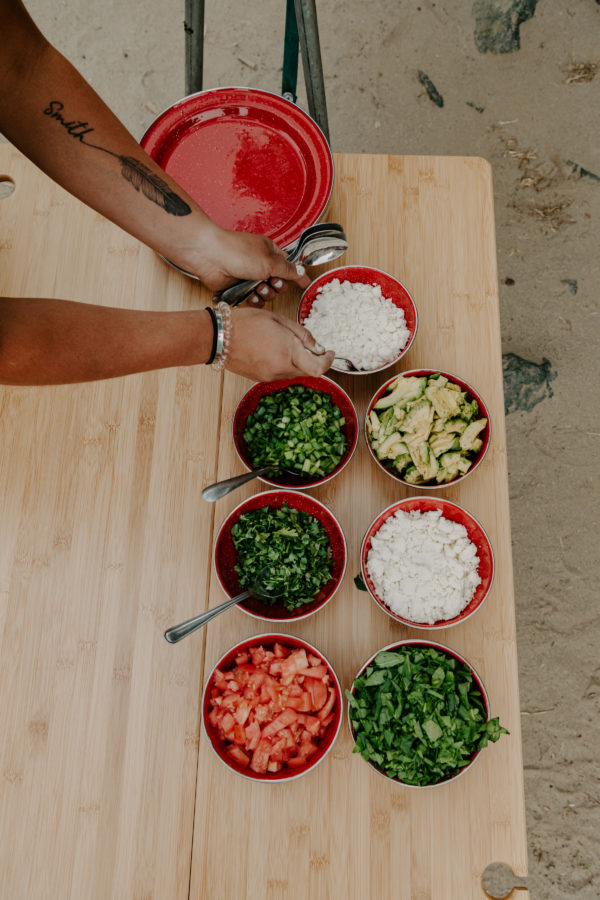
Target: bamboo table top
[{"x": 108, "y": 787}]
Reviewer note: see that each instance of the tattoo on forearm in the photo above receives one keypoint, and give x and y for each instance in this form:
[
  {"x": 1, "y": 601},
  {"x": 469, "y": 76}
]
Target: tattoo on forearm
[{"x": 137, "y": 173}]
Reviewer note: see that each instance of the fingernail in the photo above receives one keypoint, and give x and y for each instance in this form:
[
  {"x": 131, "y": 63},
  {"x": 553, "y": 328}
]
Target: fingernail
[
  {"x": 278, "y": 284},
  {"x": 300, "y": 269},
  {"x": 264, "y": 290},
  {"x": 319, "y": 348}
]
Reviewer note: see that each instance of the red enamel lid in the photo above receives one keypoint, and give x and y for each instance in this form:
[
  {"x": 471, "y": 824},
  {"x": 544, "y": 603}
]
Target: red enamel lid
[{"x": 252, "y": 160}]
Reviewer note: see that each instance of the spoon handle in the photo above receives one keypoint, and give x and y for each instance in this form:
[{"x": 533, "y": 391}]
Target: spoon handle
[
  {"x": 175, "y": 634},
  {"x": 239, "y": 292},
  {"x": 219, "y": 489}
]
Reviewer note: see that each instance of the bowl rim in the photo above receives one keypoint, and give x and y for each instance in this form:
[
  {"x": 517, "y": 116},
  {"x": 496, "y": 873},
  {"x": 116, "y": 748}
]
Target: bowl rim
[
  {"x": 480, "y": 685},
  {"x": 412, "y": 335},
  {"x": 476, "y": 396},
  {"x": 441, "y": 623},
  {"x": 273, "y": 637},
  {"x": 310, "y": 483},
  {"x": 294, "y": 494}
]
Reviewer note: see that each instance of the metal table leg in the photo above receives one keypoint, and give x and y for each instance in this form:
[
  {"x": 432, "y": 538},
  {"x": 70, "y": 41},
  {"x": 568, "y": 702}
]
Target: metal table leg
[
  {"x": 308, "y": 30},
  {"x": 194, "y": 45}
]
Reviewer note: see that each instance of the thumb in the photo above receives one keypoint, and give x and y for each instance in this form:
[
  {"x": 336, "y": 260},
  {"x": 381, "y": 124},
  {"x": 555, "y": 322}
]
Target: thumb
[{"x": 290, "y": 272}]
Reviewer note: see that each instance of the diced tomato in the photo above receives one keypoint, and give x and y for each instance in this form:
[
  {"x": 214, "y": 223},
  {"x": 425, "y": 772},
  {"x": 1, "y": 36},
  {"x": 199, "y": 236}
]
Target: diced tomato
[
  {"x": 285, "y": 718},
  {"x": 295, "y": 661},
  {"x": 260, "y": 757},
  {"x": 238, "y": 755},
  {"x": 272, "y": 707},
  {"x": 314, "y": 672},
  {"x": 252, "y": 733},
  {"x": 324, "y": 712},
  {"x": 318, "y": 692}
]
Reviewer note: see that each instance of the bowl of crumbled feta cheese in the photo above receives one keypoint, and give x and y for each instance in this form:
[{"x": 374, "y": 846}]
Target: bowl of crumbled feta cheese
[
  {"x": 427, "y": 562},
  {"x": 363, "y": 314},
  {"x": 427, "y": 428}
]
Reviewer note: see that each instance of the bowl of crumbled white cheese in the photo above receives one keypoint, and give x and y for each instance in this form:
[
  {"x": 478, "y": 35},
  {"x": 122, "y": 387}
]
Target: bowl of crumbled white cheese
[
  {"x": 363, "y": 314},
  {"x": 427, "y": 562}
]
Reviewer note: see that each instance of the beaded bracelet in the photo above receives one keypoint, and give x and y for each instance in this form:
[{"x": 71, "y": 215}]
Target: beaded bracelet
[{"x": 222, "y": 313}]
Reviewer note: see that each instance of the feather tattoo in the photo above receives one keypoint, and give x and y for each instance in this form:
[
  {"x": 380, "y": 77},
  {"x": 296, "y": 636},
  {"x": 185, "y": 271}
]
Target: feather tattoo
[{"x": 135, "y": 172}]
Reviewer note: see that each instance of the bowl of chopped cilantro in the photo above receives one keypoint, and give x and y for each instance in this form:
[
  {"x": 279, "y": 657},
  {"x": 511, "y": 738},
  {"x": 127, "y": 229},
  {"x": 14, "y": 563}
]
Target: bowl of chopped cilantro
[
  {"x": 427, "y": 428},
  {"x": 307, "y": 426},
  {"x": 290, "y": 543},
  {"x": 419, "y": 713}
]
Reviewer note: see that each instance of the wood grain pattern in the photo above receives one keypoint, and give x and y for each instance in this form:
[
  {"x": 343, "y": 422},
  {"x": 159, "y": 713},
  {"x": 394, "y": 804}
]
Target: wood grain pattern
[{"x": 107, "y": 786}]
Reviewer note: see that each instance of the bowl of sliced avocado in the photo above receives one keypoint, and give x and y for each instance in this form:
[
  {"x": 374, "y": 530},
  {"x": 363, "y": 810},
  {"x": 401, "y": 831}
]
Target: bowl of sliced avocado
[{"x": 427, "y": 428}]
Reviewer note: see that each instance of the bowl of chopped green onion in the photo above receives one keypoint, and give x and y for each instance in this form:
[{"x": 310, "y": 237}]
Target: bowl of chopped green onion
[
  {"x": 288, "y": 542},
  {"x": 306, "y": 426},
  {"x": 419, "y": 713},
  {"x": 427, "y": 428}
]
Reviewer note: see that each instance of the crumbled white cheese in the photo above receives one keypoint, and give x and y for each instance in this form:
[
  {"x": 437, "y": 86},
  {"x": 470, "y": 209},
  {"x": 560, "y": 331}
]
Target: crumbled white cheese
[
  {"x": 423, "y": 566},
  {"x": 358, "y": 322}
]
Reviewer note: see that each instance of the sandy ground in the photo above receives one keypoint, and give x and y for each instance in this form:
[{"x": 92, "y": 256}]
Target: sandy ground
[{"x": 519, "y": 87}]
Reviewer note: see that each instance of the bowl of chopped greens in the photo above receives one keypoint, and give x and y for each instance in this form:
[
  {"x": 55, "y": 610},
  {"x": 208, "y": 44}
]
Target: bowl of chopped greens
[
  {"x": 307, "y": 426},
  {"x": 427, "y": 562},
  {"x": 419, "y": 713},
  {"x": 289, "y": 542},
  {"x": 427, "y": 428},
  {"x": 283, "y": 715}
]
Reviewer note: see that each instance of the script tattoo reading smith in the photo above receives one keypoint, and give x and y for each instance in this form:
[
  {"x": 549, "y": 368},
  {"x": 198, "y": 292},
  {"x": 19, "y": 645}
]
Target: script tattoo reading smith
[{"x": 137, "y": 173}]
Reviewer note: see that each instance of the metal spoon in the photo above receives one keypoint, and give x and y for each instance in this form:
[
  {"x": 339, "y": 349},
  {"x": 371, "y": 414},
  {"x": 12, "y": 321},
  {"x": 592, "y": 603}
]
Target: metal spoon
[
  {"x": 313, "y": 248},
  {"x": 258, "y": 590},
  {"x": 219, "y": 489}
]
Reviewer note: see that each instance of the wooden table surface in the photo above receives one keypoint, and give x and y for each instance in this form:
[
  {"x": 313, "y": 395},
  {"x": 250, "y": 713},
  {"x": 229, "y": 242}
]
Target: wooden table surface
[{"x": 108, "y": 787}]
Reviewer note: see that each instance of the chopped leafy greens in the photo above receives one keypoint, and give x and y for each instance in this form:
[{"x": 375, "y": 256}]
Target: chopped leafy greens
[
  {"x": 284, "y": 552},
  {"x": 418, "y": 715},
  {"x": 297, "y": 428}
]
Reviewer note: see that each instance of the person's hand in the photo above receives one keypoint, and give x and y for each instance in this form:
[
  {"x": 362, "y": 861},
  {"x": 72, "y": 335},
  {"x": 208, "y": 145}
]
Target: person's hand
[
  {"x": 224, "y": 257},
  {"x": 266, "y": 346}
]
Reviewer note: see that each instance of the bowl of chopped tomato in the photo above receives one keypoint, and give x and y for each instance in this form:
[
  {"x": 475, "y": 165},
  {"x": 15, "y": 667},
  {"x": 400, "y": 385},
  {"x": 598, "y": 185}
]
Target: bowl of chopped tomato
[
  {"x": 272, "y": 707},
  {"x": 288, "y": 541}
]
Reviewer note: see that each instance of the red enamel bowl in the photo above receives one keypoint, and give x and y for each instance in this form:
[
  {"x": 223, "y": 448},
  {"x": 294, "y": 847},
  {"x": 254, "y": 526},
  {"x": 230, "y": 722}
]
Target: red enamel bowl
[
  {"x": 287, "y": 773},
  {"x": 252, "y": 160},
  {"x": 225, "y": 555},
  {"x": 475, "y": 533},
  {"x": 476, "y": 679},
  {"x": 391, "y": 288},
  {"x": 250, "y": 401},
  {"x": 472, "y": 394}
]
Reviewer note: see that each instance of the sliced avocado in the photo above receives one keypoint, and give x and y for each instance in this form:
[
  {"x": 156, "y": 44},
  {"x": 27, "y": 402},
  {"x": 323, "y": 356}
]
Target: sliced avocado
[
  {"x": 450, "y": 461},
  {"x": 476, "y": 445},
  {"x": 464, "y": 464},
  {"x": 419, "y": 417},
  {"x": 374, "y": 422},
  {"x": 391, "y": 446},
  {"x": 401, "y": 461},
  {"x": 452, "y": 387},
  {"x": 440, "y": 425},
  {"x": 445, "y": 402},
  {"x": 425, "y": 461},
  {"x": 469, "y": 410},
  {"x": 457, "y": 425},
  {"x": 403, "y": 389},
  {"x": 438, "y": 380},
  {"x": 471, "y": 432},
  {"x": 412, "y": 475},
  {"x": 440, "y": 443}
]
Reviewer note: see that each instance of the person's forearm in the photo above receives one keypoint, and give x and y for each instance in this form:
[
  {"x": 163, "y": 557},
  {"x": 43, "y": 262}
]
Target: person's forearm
[
  {"x": 61, "y": 342},
  {"x": 53, "y": 116}
]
